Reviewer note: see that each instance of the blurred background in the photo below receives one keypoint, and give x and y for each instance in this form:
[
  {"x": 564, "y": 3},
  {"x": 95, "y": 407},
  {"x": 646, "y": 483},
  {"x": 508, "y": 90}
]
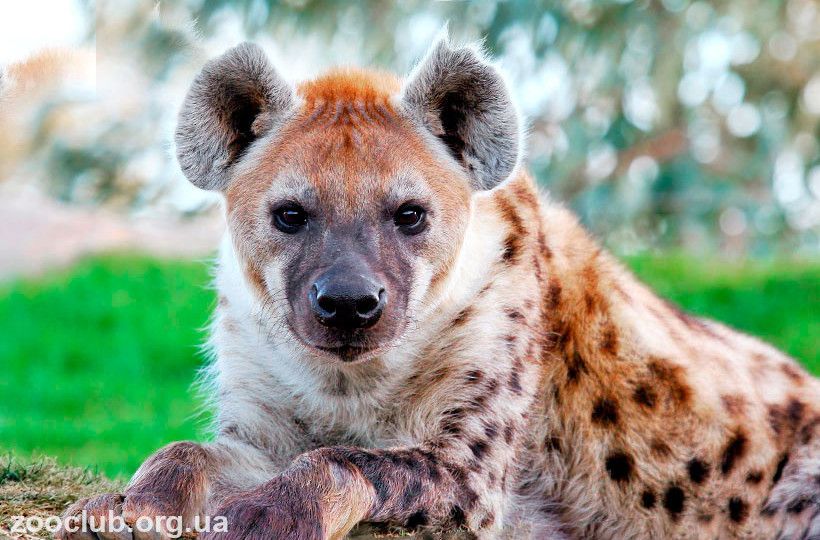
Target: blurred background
[{"x": 684, "y": 133}]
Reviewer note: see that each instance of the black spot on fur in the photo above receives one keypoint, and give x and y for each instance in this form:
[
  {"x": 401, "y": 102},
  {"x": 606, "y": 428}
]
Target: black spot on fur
[
  {"x": 462, "y": 317},
  {"x": 491, "y": 478},
  {"x": 468, "y": 498},
  {"x": 417, "y": 519},
  {"x": 512, "y": 246},
  {"x": 432, "y": 465},
  {"x": 810, "y": 430},
  {"x": 620, "y": 465},
  {"x": 474, "y": 376},
  {"x": 515, "y": 381},
  {"x": 673, "y": 378},
  {"x": 513, "y": 219},
  {"x": 792, "y": 372},
  {"x": 674, "y": 500},
  {"x": 457, "y": 515},
  {"x": 754, "y": 477},
  {"x": 510, "y": 339},
  {"x": 591, "y": 302},
  {"x": 490, "y": 430},
  {"x": 515, "y": 315},
  {"x": 605, "y": 412},
  {"x": 576, "y": 366},
  {"x": 645, "y": 395},
  {"x": 788, "y": 417},
  {"x": 487, "y": 521},
  {"x": 648, "y": 499},
  {"x": 412, "y": 493},
  {"x": 609, "y": 341},
  {"x": 466, "y": 495},
  {"x": 778, "y": 473},
  {"x": 768, "y": 511},
  {"x": 453, "y": 421},
  {"x": 561, "y": 335},
  {"x": 479, "y": 449},
  {"x": 542, "y": 243},
  {"x": 382, "y": 488},
  {"x": 553, "y": 296},
  {"x": 492, "y": 388},
  {"x": 509, "y": 432},
  {"x": 230, "y": 430},
  {"x": 738, "y": 509},
  {"x": 552, "y": 444},
  {"x": 478, "y": 403},
  {"x": 798, "y": 506},
  {"x": 734, "y": 451},
  {"x": 698, "y": 471}
]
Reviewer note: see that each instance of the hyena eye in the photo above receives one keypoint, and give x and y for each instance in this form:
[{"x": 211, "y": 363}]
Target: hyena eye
[
  {"x": 410, "y": 219},
  {"x": 290, "y": 218}
]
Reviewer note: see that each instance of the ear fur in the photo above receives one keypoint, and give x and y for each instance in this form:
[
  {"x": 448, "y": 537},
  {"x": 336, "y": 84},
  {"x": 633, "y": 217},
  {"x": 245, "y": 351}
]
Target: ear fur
[
  {"x": 457, "y": 95},
  {"x": 236, "y": 99}
]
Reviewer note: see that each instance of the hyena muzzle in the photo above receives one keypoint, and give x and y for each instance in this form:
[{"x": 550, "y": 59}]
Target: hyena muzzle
[{"x": 409, "y": 336}]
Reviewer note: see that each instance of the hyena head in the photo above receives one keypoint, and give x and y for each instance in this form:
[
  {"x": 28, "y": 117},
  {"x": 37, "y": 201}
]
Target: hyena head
[{"x": 348, "y": 197}]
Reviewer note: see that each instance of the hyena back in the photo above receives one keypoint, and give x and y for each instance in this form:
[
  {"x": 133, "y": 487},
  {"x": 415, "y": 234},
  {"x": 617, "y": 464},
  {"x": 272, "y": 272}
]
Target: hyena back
[{"x": 409, "y": 335}]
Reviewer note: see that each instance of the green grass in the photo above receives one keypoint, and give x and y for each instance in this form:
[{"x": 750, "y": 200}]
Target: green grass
[
  {"x": 778, "y": 301},
  {"x": 96, "y": 361}
]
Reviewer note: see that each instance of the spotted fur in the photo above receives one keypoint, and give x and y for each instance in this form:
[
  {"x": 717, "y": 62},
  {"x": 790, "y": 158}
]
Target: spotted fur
[{"x": 528, "y": 386}]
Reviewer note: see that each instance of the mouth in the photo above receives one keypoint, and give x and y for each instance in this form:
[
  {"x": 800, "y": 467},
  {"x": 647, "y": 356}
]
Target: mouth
[
  {"x": 348, "y": 350},
  {"x": 346, "y": 353}
]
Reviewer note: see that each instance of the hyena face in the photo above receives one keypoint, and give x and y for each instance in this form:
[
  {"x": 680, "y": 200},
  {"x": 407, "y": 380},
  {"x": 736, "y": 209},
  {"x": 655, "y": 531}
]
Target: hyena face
[
  {"x": 348, "y": 197},
  {"x": 345, "y": 221}
]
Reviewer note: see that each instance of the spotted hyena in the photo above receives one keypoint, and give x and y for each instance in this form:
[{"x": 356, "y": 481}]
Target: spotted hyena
[{"x": 408, "y": 335}]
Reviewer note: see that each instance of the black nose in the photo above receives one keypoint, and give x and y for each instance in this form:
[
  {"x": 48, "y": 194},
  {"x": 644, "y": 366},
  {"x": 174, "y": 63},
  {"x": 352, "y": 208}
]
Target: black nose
[{"x": 347, "y": 301}]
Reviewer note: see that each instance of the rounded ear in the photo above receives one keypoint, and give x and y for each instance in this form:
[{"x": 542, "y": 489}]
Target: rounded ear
[
  {"x": 458, "y": 96},
  {"x": 234, "y": 100}
]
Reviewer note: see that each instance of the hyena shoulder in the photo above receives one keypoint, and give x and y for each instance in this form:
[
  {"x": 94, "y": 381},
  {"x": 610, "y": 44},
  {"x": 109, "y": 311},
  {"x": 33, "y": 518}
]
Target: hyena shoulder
[{"x": 687, "y": 426}]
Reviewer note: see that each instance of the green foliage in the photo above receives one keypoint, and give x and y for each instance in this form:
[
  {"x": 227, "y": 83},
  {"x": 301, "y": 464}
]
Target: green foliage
[
  {"x": 664, "y": 123},
  {"x": 97, "y": 361}
]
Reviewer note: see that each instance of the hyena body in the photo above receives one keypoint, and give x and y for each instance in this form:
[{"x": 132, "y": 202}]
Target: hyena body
[{"x": 504, "y": 373}]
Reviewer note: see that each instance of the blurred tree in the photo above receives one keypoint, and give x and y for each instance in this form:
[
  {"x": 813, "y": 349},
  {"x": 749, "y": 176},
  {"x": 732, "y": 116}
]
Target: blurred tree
[{"x": 664, "y": 123}]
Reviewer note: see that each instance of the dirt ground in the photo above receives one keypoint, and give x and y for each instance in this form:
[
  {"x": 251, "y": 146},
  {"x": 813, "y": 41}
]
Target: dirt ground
[{"x": 38, "y": 233}]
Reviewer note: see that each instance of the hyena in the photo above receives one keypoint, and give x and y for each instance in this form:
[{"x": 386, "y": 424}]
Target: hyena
[{"x": 408, "y": 335}]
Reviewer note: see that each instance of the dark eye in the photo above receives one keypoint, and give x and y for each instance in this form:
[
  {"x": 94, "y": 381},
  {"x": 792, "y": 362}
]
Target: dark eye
[
  {"x": 410, "y": 219},
  {"x": 290, "y": 218}
]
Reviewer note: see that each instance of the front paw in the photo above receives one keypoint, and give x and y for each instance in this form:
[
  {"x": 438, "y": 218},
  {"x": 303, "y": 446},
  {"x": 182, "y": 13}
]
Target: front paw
[
  {"x": 129, "y": 516},
  {"x": 96, "y": 517},
  {"x": 275, "y": 512},
  {"x": 163, "y": 500}
]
